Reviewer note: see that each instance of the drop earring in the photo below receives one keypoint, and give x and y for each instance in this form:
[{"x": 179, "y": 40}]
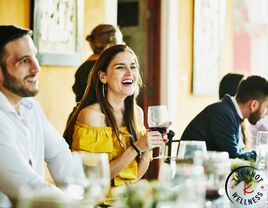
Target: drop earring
[{"x": 103, "y": 90}]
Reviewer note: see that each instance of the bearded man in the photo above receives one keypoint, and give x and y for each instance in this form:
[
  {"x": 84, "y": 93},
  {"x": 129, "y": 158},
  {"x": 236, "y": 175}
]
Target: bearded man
[
  {"x": 219, "y": 123},
  {"x": 27, "y": 139}
]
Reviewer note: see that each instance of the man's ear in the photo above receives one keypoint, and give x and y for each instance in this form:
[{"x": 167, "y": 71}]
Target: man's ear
[
  {"x": 102, "y": 77},
  {"x": 254, "y": 105}
]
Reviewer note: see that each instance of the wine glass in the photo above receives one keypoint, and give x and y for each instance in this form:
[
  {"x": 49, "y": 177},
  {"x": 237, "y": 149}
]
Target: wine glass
[
  {"x": 189, "y": 184},
  {"x": 187, "y": 150},
  {"x": 89, "y": 180},
  {"x": 158, "y": 121},
  {"x": 42, "y": 196},
  {"x": 261, "y": 147},
  {"x": 217, "y": 166},
  {"x": 262, "y": 152}
]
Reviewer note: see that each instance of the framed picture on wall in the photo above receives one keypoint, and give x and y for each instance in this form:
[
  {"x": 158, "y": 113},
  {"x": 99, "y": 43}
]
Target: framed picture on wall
[
  {"x": 57, "y": 31},
  {"x": 209, "y": 25}
]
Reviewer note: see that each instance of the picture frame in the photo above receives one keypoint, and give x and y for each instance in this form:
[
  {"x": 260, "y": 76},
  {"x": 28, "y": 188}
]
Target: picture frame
[
  {"x": 57, "y": 31},
  {"x": 209, "y": 26}
]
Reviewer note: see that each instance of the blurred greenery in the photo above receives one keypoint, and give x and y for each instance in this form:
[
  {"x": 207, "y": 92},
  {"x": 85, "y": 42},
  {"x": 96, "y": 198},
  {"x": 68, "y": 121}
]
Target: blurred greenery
[
  {"x": 144, "y": 194},
  {"x": 236, "y": 163}
]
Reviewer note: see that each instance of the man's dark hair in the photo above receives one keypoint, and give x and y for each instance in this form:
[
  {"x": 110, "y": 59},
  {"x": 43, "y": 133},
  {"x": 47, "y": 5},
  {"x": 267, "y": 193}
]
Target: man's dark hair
[
  {"x": 254, "y": 87},
  {"x": 9, "y": 33},
  {"x": 229, "y": 84}
]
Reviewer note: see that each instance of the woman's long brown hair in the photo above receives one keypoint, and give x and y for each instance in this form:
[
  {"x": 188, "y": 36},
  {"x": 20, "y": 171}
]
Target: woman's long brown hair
[{"x": 94, "y": 94}]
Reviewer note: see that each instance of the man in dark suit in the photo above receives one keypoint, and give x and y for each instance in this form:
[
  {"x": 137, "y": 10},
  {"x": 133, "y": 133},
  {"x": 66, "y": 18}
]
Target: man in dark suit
[{"x": 218, "y": 124}]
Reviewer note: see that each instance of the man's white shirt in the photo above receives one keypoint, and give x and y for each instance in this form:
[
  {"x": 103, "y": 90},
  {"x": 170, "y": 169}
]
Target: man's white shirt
[{"x": 26, "y": 140}]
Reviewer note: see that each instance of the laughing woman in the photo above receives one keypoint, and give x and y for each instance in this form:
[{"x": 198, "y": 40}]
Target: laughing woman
[{"x": 109, "y": 120}]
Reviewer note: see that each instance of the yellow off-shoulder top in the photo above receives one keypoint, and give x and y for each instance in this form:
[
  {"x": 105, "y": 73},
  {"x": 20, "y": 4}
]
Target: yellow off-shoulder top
[{"x": 103, "y": 139}]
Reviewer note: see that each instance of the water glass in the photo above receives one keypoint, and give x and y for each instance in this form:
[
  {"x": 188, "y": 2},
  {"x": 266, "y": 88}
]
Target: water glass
[
  {"x": 261, "y": 147},
  {"x": 217, "y": 166},
  {"x": 89, "y": 180},
  {"x": 189, "y": 184},
  {"x": 187, "y": 149},
  {"x": 262, "y": 138},
  {"x": 43, "y": 196}
]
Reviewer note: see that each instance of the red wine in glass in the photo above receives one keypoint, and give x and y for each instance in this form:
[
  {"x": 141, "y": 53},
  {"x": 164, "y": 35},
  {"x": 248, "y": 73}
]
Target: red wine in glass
[
  {"x": 158, "y": 121},
  {"x": 162, "y": 130},
  {"x": 212, "y": 194}
]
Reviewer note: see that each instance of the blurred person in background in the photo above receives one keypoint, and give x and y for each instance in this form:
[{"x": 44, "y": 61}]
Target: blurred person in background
[
  {"x": 229, "y": 85},
  {"x": 100, "y": 38},
  {"x": 219, "y": 123}
]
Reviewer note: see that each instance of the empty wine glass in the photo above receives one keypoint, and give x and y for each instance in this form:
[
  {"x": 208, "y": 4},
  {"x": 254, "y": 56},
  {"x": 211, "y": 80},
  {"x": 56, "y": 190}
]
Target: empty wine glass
[
  {"x": 158, "y": 121},
  {"x": 189, "y": 184},
  {"x": 89, "y": 180},
  {"x": 42, "y": 196},
  {"x": 187, "y": 149},
  {"x": 261, "y": 146},
  {"x": 262, "y": 138}
]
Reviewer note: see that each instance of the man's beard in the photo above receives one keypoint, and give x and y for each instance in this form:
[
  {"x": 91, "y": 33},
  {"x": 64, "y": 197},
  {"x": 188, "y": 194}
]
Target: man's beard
[
  {"x": 14, "y": 85},
  {"x": 254, "y": 117}
]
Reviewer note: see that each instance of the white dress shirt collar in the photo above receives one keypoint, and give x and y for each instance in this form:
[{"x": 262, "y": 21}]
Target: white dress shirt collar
[
  {"x": 237, "y": 108},
  {"x": 7, "y": 107}
]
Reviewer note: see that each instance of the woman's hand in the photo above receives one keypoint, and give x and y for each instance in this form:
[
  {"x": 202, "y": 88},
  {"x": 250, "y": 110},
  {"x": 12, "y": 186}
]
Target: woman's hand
[{"x": 151, "y": 140}]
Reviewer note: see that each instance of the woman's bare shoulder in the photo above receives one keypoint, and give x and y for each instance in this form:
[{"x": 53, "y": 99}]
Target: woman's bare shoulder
[
  {"x": 92, "y": 116},
  {"x": 140, "y": 114}
]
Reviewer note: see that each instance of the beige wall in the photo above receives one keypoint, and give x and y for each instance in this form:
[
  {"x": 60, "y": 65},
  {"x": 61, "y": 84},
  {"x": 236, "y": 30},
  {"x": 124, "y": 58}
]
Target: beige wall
[
  {"x": 15, "y": 12},
  {"x": 189, "y": 104},
  {"x": 227, "y": 57}
]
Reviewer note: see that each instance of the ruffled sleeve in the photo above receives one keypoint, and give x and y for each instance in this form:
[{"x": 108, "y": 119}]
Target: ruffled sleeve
[{"x": 92, "y": 139}]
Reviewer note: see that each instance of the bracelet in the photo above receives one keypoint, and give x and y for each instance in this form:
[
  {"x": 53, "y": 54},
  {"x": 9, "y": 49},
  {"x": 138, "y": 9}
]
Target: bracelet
[{"x": 137, "y": 150}]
